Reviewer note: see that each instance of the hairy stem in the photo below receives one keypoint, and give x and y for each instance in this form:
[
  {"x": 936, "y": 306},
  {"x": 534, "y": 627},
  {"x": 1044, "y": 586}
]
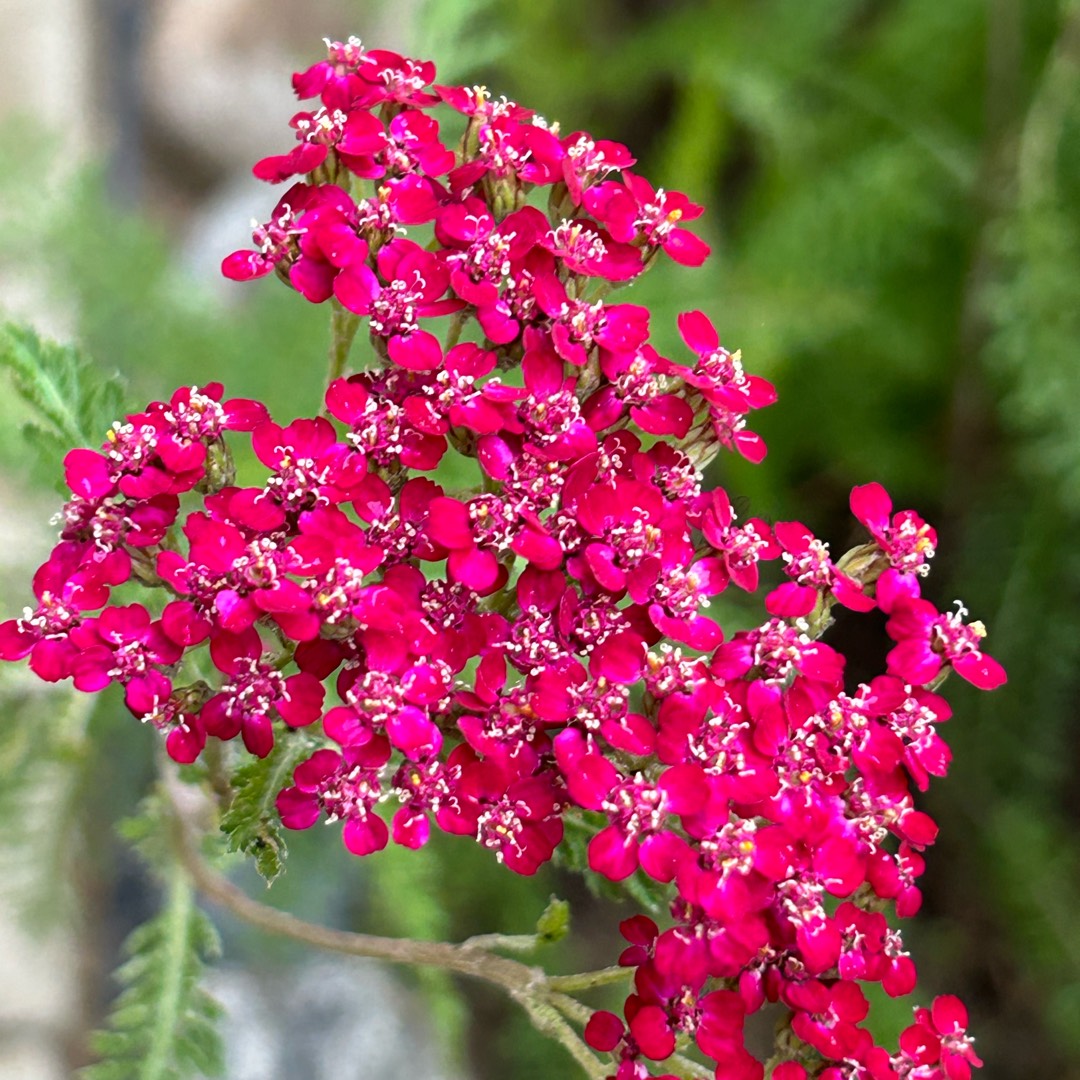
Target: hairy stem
[
  {"x": 527, "y": 985},
  {"x": 586, "y": 980}
]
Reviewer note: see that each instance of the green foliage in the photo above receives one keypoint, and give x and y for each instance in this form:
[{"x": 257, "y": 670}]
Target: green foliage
[
  {"x": 163, "y": 1025},
  {"x": 554, "y": 922},
  {"x": 250, "y": 824},
  {"x": 41, "y": 774},
  {"x": 72, "y": 404}
]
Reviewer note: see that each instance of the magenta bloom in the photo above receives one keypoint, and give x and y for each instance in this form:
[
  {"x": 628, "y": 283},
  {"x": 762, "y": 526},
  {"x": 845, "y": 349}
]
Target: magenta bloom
[
  {"x": 344, "y": 787},
  {"x": 905, "y": 539},
  {"x": 541, "y": 640},
  {"x": 334, "y": 79},
  {"x": 938, "y": 1044},
  {"x": 927, "y": 639},
  {"x": 415, "y": 280},
  {"x": 66, "y": 586},
  {"x": 123, "y": 644},
  {"x": 813, "y": 575},
  {"x": 255, "y": 693},
  {"x": 635, "y": 210}
]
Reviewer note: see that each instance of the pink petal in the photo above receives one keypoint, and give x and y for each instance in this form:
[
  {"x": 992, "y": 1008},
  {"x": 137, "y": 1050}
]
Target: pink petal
[
  {"x": 364, "y": 837},
  {"x": 872, "y": 506},
  {"x": 613, "y": 854}
]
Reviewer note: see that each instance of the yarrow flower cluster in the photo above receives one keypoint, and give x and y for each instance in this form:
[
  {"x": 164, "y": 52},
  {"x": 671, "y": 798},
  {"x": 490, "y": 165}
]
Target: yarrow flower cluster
[{"x": 492, "y": 662}]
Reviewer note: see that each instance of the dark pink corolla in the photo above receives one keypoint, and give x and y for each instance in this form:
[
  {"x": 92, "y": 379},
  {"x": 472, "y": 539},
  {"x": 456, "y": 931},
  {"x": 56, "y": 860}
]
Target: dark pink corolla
[
  {"x": 826, "y": 1017},
  {"x": 637, "y": 809},
  {"x": 275, "y": 240},
  {"x": 69, "y": 584},
  {"x": 334, "y": 79},
  {"x": 385, "y": 432},
  {"x": 646, "y": 1035},
  {"x": 905, "y": 539},
  {"x": 911, "y": 714},
  {"x": 681, "y": 589},
  {"x": 310, "y": 468},
  {"x": 871, "y": 952},
  {"x": 927, "y": 639},
  {"x": 937, "y": 1045},
  {"x": 343, "y": 787},
  {"x": 790, "y": 677},
  {"x": 517, "y": 818},
  {"x": 729, "y": 393},
  {"x": 317, "y": 133},
  {"x": 395, "y": 702},
  {"x": 636, "y": 211},
  {"x": 255, "y": 692},
  {"x": 388, "y": 77},
  {"x": 162, "y": 450},
  {"x": 740, "y": 547},
  {"x": 232, "y": 581},
  {"x": 578, "y": 326},
  {"x": 488, "y": 258},
  {"x": 813, "y": 575},
  {"x": 509, "y": 153},
  {"x": 412, "y": 283},
  {"x": 588, "y": 160},
  {"x": 591, "y": 252},
  {"x": 422, "y": 788},
  {"x": 410, "y": 143},
  {"x": 124, "y": 644},
  {"x": 462, "y": 530},
  {"x": 111, "y": 523}
]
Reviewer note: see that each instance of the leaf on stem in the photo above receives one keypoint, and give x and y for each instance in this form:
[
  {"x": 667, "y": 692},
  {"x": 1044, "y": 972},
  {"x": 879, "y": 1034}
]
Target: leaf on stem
[
  {"x": 251, "y": 822},
  {"x": 72, "y": 401}
]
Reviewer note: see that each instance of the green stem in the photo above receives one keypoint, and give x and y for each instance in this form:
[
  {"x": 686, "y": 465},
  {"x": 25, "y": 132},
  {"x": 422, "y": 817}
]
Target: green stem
[
  {"x": 457, "y": 324},
  {"x": 343, "y": 327},
  {"x": 519, "y": 943},
  {"x": 586, "y": 980},
  {"x": 691, "y": 1070},
  {"x": 547, "y": 1021},
  {"x": 527, "y": 985}
]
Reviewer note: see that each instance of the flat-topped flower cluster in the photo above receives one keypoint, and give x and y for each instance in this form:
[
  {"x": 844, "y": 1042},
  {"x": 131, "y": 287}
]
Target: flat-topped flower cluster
[{"x": 491, "y": 661}]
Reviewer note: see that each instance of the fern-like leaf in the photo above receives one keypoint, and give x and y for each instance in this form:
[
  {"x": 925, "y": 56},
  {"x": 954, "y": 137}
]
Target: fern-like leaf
[
  {"x": 72, "y": 402},
  {"x": 42, "y": 758},
  {"x": 251, "y": 822},
  {"x": 163, "y": 1026}
]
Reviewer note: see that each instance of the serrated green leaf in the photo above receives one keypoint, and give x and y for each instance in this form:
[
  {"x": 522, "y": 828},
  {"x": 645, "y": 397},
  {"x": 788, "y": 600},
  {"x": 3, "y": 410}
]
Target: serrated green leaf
[
  {"x": 251, "y": 822},
  {"x": 42, "y": 761},
  {"x": 163, "y": 1026},
  {"x": 74, "y": 403}
]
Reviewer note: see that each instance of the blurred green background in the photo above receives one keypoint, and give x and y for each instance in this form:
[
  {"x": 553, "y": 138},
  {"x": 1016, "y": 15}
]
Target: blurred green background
[{"x": 893, "y": 195}]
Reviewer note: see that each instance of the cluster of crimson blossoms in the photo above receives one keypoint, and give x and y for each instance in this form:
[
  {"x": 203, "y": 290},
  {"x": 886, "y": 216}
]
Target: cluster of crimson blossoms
[{"x": 495, "y": 660}]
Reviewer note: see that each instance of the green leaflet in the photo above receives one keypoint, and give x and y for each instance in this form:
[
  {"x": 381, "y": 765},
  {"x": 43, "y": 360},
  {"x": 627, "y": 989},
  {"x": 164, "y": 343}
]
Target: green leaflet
[
  {"x": 43, "y": 758},
  {"x": 163, "y": 1026},
  {"x": 72, "y": 403},
  {"x": 250, "y": 823}
]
